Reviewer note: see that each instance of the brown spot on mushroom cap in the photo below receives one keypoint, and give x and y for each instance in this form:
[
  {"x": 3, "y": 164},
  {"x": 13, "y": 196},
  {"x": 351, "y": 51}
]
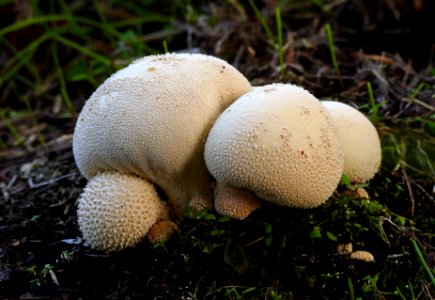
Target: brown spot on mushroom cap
[
  {"x": 279, "y": 142},
  {"x": 154, "y": 124},
  {"x": 235, "y": 202},
  {"x": 116, "y": 211},
  {"x": 362, "y": 147}
]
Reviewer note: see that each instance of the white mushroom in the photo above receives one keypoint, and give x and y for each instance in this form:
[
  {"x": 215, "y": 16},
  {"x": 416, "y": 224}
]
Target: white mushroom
[
  {"x": 152, "y": 118},
  {"x": 362, "y": 147},
  {"x": 116, "y": 211},
  {"x": 345, "y": 248},
  {"x": 363, "y": 256},
  {"x": 278, "y": 142}
]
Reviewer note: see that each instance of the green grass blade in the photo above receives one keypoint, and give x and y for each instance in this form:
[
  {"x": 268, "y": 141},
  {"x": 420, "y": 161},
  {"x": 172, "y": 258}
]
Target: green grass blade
[
  {"x": 61, "y": 77},
  {"x": 85, "y": 51},
  {"x": 105, "y": 24},
  {"x": 374, "y": 105},
  {"x": 423, "y": 262},
  {"x": 279, "y": 32},
  {"x": 34, "y": 121},
  {"x": 22, "y": 58},
  {"x": 165, "y": 46},
  {"x": 140, "y": 21},
  {"x": 331, "y": 47},
  {"x": 262, "y": 22},
  {"x": 31, "y": 21},
  {"x": 351, "y": 289},
  {"x": 411, "y": 289},
  {"x": 39, "y": 20},
  {"x": 11, "y": 129}
]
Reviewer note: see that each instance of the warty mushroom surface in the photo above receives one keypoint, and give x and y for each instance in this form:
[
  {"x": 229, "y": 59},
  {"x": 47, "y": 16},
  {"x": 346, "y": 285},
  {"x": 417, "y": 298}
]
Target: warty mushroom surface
[
  {"x": 151, "y": 120},
  {"x": 278, "y": 142}
]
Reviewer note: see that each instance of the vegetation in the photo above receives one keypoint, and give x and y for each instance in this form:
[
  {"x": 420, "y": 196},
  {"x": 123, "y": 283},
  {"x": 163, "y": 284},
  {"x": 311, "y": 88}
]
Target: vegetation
[{"x": 53, "y": 55}]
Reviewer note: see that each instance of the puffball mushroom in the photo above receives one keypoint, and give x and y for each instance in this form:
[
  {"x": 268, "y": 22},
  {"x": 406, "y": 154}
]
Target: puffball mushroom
[
  {"x": 278, "y": 142},
  {"x": 116, "y": 211},
  {"x": 362, "y": 147},
  {"x": 152, "y": 119},
  {"x": 149, "y": 120}
]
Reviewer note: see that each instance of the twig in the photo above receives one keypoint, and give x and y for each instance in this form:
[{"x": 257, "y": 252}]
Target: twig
[
  {"x": 48, "y": 182},
  {"x": 411, "y": 193},
  {"x": 61, "y": 143},
  {"x": 418, "y": 102},
  {"x": 427, "y": 290}
]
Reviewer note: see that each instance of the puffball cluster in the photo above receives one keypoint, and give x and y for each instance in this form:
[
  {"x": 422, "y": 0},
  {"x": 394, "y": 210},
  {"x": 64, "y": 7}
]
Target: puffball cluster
[
  {"x": 279, "y": 143},
  {"x": 184, "y": 123}
]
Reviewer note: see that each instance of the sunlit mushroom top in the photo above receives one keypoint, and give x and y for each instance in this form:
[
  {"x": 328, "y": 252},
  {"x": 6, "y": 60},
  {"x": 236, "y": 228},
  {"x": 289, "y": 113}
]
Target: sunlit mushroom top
[
  {"x": 152, "y": 119},
  {"x": 279, "y": 142}
]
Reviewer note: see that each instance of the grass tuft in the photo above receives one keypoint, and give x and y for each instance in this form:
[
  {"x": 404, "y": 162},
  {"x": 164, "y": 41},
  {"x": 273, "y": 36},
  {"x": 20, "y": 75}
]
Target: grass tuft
[
  {"x": 263, "y": 22},
  {"x": 429, "y": 272},
  {"x": 63, "y": 88},
  {"x": 11, "y": 128},
  {"x": 279, "y": 33},
  {"x": 374, "y": 105},
  {"x": 165, "y": 47},
  {"x": 331, "y": 47}
]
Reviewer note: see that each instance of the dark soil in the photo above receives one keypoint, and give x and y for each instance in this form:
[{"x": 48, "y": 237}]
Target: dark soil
[{"x": 273, "y": 253}]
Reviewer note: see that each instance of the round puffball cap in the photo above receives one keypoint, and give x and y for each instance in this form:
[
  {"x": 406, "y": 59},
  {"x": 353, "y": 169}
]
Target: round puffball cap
[
  {"x": 279, "y": 142},
  {"x": 362, "y": 146},
  {"x": 116, "y": 211},
  {"x": 152, "y": 119},
  {"x": 149, "y": 117}
]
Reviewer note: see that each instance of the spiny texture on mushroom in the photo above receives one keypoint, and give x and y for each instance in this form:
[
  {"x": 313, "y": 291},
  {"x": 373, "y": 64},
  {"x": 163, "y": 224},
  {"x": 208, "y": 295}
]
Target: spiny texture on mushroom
[
  {"x": 116, "y": 211},
  {"x": 362, "y": 147},
  {"x": 279, "y": 142},
  {"x": 152, "y": 119}
]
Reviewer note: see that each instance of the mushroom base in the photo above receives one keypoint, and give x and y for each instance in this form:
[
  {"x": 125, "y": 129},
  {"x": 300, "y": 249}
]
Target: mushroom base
[{"x": 235, "y": 202}]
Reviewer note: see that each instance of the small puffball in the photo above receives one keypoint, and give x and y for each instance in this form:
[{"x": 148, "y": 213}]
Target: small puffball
[
  {"x": 161, "y": 231},
  {"x": 199, "y": 203},
  {"x": 116, "y": 211},
  {"x": 363, "y": 255},
  {"x": 345, "y": 248},
  {"x": 362, "y": 146}
]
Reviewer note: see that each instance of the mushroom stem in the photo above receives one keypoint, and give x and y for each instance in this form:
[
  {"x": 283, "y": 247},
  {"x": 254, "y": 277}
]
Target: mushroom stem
[
  {"x": 161, "y": 231},
  {"x": 235, "y": 202},
  {"x": 199, "y": 203}
]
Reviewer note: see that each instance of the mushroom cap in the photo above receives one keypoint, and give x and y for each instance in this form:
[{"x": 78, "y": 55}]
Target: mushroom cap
[
  {"x": 116, "y": 211},
  {"x": 362, "y": 147},
  {"x": 152, "y": 119},
  {"x": 362, "y": 255},
  {"x": 279, "y": 142}
]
